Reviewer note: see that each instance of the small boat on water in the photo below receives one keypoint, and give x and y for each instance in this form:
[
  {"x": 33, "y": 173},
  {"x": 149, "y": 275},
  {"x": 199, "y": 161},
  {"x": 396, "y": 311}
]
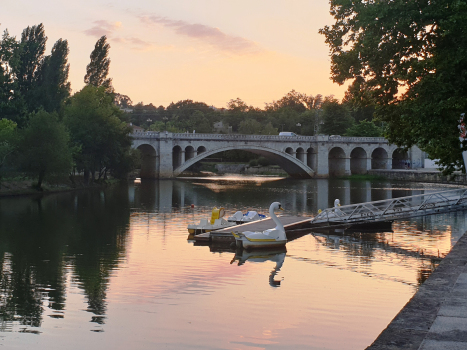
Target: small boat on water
[
  {"x": 271, "y": 238},
  {"x": 217, "y": 222},
  {"x": 249, "y": 216}
]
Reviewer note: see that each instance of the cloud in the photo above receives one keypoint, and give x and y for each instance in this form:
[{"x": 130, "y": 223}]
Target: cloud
[
  {"x": 211, "y": 35},
  {"x": 139, "y": 44},
  {"x": 103, "y": 27}
]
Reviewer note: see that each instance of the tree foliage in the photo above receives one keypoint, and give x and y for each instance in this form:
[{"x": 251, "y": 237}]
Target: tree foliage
[
  {"x": 336, "y": 117},
  {"x": 8, "y": 140},
  {"x": 44, "y": 147},
  {"x": 97, "y": 131},
  {"x": 364, "y": 129},
  {"x": 54, "y": 87},
  {"x": 411, "y": 56},
  {"x": 98, "y": 69}
]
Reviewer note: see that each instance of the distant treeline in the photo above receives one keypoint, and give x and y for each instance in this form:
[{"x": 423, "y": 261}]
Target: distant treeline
[{"x": 296, "y": 112}]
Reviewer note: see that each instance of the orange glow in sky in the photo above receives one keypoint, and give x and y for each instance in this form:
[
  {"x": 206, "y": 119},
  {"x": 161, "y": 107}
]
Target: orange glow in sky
[{"x": 204, "y": 50}]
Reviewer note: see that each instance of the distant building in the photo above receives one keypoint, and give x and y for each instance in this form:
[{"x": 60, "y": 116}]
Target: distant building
[
  {"x": 220, "y": 127},
  {"x": 136, "y": 128}
]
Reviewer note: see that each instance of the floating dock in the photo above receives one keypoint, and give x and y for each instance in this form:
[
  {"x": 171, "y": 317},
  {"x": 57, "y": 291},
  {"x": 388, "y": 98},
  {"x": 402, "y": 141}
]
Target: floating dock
[
  {"x": 225, "y": 235},
  {"x": 377, "y": 215}
]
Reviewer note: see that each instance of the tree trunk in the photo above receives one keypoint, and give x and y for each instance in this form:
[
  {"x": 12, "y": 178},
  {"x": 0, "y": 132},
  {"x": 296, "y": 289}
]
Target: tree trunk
[{"x": 41, "y": 178}]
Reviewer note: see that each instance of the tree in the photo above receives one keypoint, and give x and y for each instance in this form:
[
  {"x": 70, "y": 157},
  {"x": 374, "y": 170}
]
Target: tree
[
  {"x": 364, "y": 129},
  {"x": 7, "y": 140},
  {"x": 97, "y": 131},
  {"x": 53, "y": 83},
  {"x": 44, "y": 147},
  {"x": 412, "y": 57},
  {"x": 25, "y": 64},
  {"x": 336, "y": 118},
  {"x": 200, "y": 123},
  {"x": 123, "y": 101},
  {"x": 8, "y": 60},
  {"x": 98, "y": 69},
  {"x": 250, "y": 126}
]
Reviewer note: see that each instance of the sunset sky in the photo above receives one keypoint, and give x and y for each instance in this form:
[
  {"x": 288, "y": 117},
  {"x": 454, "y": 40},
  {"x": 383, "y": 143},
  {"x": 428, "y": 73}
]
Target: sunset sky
[{"x": 205, "y": 50}]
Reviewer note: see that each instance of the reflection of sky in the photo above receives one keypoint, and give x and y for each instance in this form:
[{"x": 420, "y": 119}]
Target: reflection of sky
[{"x": 336, "y": 292}]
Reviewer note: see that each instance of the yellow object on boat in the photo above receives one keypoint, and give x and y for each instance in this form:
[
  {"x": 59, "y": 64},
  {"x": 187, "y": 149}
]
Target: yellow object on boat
[{"x": 217, "y": 213}]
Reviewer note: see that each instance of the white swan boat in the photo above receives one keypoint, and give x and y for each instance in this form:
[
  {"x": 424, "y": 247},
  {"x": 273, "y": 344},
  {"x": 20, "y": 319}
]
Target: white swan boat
[{"x": 271, "y": 238}]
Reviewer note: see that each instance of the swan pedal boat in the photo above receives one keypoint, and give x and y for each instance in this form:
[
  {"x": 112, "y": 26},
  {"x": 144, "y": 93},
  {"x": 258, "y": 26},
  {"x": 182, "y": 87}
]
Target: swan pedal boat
[
  {"x": 271, "y": 238},
  {"x": 216, "y": 223}
]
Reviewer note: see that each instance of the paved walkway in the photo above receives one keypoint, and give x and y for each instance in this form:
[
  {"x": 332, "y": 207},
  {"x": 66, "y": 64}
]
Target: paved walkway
[{"x": 436, "y": 316}]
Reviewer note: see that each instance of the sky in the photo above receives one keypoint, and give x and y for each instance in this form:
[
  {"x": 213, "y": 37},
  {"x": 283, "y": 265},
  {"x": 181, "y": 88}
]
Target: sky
[{"x": 209, "y": 51}]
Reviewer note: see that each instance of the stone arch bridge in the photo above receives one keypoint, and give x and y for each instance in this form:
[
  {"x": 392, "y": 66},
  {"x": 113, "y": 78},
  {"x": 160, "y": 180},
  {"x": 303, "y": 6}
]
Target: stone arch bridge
[{"x": 167, "y": 155}]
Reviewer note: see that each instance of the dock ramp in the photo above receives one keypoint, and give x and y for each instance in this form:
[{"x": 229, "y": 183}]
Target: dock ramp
[{"x": 393, "y": 209}]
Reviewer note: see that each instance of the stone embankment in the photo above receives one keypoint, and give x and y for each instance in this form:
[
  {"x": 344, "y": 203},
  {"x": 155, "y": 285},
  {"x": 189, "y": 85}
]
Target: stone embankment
[
  {"x": 436, "y": 316},
  {"x": 421, "y": 175}
]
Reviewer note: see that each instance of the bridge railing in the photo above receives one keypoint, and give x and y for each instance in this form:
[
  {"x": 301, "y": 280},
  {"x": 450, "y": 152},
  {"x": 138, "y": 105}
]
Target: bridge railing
[{"x": 237, "y": 137}]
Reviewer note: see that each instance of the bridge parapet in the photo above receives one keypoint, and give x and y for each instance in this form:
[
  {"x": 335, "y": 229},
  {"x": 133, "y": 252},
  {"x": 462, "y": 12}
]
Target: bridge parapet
[
  {"x": 253, "y": 138},
  {"x": 222, "y": 137}
]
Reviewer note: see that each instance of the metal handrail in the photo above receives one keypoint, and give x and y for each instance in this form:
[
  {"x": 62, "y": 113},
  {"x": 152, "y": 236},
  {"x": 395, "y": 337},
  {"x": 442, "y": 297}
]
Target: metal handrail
[{"x": 389, "y": 209}]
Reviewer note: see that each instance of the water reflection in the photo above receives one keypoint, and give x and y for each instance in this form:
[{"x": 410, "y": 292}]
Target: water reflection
[
  {"x": 117, "y": 262},
  {"x": 277, "y": 256},
  {"x": 44, "y": 239},
  {"x": 299, "y": 197}
]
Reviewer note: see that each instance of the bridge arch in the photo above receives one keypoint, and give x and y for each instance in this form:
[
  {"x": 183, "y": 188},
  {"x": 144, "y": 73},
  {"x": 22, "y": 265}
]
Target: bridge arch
[
  {"x": 336, "y": 159},
  {"x": 358, "y": 161},
  {"x": 379, "y": 158},
  {"x": 400, "y": 159},
  {"x": 149, "y": 161},
  {"x": 289, "y": 150},
  {"x": 189, "y": 152},
  {"x": 290, "y": 164}
]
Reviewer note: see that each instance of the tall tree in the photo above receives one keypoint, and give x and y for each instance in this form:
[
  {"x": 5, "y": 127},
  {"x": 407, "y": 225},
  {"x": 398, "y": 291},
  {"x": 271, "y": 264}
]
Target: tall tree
[
  {"x": 8, "y": 60},
  {"x": 44, "y": 147},
  {"x": 97, "y": 130},
  {"x": 54, "y": 87},
  {"x": 412, "y": 57},
  {"x": 98, "y": 69},
  {"x": 27, "y": 71}
]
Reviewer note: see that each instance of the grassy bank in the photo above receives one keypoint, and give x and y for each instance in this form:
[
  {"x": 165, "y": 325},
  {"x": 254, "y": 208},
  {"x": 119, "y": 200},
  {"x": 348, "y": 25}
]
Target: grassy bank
[{"x": 23, "y": 186}]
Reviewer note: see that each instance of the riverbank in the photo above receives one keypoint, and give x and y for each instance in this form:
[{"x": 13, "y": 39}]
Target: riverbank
[
  {"x": 436, "y": 316},
  {"x": 25, "y": 187}
]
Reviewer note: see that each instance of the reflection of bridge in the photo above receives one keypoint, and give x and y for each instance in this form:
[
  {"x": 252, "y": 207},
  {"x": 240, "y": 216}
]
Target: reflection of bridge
[{"x": 166, "y": 155}]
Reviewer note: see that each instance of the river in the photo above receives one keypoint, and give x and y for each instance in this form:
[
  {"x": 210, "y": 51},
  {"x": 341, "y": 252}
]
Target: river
[{"x": 114, "y": 268}]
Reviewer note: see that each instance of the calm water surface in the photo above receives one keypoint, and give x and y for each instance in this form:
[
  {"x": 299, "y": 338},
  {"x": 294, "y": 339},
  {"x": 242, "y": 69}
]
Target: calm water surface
[{"x": 115, "y": 268}]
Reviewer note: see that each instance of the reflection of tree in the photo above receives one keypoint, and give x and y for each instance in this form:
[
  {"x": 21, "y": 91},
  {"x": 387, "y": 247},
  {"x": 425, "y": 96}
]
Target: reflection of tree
[
  {"x": 98, "y": 244},
  {"x": 40, "y": 237}
]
